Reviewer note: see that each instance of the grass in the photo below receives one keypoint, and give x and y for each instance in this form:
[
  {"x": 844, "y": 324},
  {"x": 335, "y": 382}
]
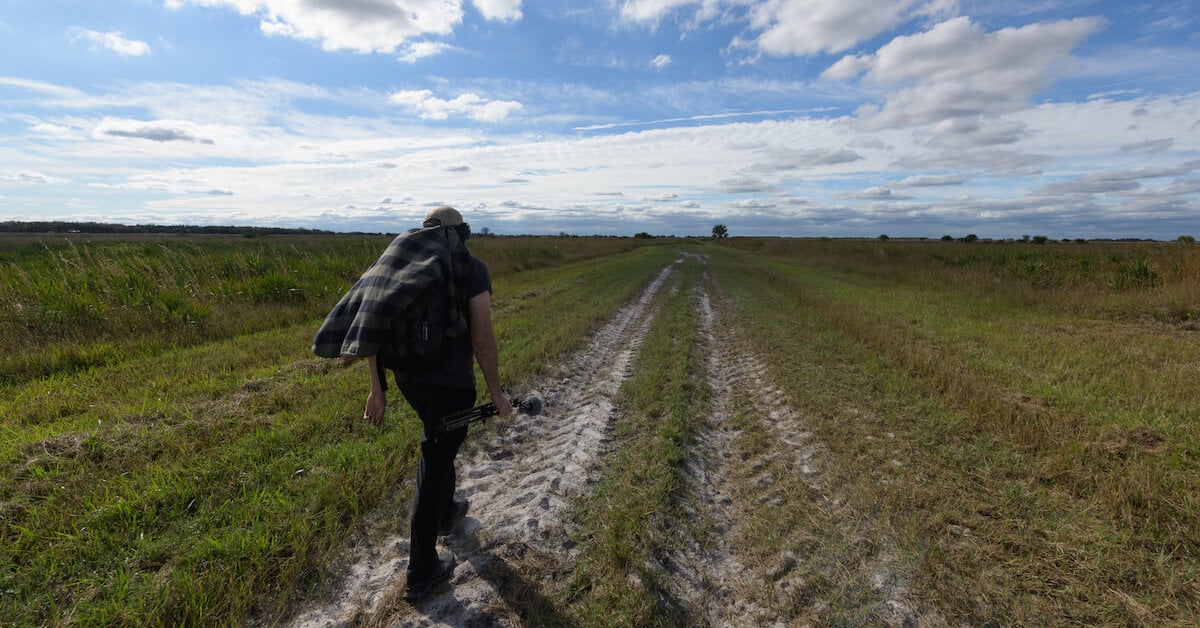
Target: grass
[
  {"x": 1011, "y": 425},
  {"x": 623, "y": 521},
  {"x": 211, "y": 477},
  {"x": 69, "y": 303},
  {"x": 1045, "y": 437}
]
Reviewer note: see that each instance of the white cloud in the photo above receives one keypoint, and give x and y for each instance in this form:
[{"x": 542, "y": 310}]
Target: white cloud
[
  {"x": 793, "y": 27},
  {"x": 955, "y": 70},
  {"x": 1149, "y": 146},
  {"x": 114, "y": 41},
  {"x": 661, "y": 61},
  {"x": 744, "y": 185},
  {"x": 155, "y": 131},
  {"x": 273, "y": 151},
  {"x": 415, "y": 51},
  {"x": 1113, "y": 181},
  {"x": 754, "y": 203},
  {"x": 879, "y": 193},
  {"x": 359, "y": 25},
  {"x": 430, "y": 107},
  {"x": 44, "y": 88},
  {"x": 800, "y": 27},
  {"x": 1002, "y": 163},
  {"x": 930, "y": 180},
  {"x": 784, "y": 159},
  {"x": 503, "y": 10},
  {"x": 58, "y": 131},
  {"x": 651, "y": 11},
  {"x": 29, "y": 176}
]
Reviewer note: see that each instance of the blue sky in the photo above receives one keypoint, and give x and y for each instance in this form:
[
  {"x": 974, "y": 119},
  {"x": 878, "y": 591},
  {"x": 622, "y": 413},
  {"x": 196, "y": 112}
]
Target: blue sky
[{"x": 1071, "y": 119}]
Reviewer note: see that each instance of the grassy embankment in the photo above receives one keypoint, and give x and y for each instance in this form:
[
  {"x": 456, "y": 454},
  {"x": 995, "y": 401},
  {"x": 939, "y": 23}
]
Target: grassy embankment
[
  {"x": 1020, "y": 421},
  {"x": 180, "y": 458}
]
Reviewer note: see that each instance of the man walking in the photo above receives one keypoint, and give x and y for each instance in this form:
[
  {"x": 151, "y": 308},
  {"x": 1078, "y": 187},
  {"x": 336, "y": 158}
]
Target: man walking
[{"x": 437, "y": 378}]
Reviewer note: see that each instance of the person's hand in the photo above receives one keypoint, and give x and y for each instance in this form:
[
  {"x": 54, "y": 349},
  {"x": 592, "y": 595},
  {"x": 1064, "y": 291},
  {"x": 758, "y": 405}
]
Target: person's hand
[
  {"x": 503, "y": 405},
  {"x": 376, "y": 408}
]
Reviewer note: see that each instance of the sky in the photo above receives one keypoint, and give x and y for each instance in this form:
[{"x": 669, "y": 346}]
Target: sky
[{"x": 839, "y": 118}]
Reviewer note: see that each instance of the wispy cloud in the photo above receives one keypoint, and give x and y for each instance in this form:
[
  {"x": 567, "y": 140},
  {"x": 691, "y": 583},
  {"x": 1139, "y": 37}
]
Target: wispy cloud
[
  {"x": 113, "y": 41},
  {"x": 931, "y": 180},
  {"x": 363, "y": 26},
  {"x": 29, "y": 176},
  {"x": 696, "y": 118},
  {"x": 155, "y": 131},
  {"x": 41, "y": 87},
  {"x": 503, "y": 10},
  {"x": 430, "y": 107},
  {"x": 415, "y": 51}
]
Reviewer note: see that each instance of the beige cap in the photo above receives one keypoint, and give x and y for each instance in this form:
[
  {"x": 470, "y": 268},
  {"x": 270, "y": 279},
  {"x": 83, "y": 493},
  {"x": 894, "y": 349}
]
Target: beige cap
[{"x": 444, "y": 216}]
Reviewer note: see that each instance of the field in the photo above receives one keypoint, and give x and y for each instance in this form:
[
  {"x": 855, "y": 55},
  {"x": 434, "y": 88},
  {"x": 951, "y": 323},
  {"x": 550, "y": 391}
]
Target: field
[{"x": 737, "y": 431}]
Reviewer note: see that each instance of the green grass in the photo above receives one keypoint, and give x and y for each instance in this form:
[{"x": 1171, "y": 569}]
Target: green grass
[
  {"x": 1015, "y": 421},
  {"x": 1046, "y": 439},
  {"x": 625, "y": 518},
  {"x": 71, "y": 303},
  {"x": 211, "y": 478}
]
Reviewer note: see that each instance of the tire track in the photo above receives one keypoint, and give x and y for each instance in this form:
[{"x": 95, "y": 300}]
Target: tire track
[
  {"x": 520, "y": 486},
  {"x": 706, "y": 575}
]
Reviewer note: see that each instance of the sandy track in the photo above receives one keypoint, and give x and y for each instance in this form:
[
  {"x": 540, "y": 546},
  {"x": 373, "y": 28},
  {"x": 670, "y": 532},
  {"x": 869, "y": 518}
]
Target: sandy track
[
  {"x": 707, "y": 578},
  {"x": 520, "y": 485}
]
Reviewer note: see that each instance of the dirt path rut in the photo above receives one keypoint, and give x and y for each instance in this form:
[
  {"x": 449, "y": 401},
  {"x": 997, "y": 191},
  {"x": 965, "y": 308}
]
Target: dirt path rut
[{"x": 519, "y": 486}]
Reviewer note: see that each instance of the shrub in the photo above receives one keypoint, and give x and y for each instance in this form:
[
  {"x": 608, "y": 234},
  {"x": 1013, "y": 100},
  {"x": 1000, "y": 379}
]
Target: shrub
[{"x": 1136, "y": 274}]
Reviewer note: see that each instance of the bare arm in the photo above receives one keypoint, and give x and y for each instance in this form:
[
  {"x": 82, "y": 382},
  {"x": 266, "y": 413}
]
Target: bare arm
[
  {"x": 487, "y": 354},
  {"x": 377, "y": 399}
]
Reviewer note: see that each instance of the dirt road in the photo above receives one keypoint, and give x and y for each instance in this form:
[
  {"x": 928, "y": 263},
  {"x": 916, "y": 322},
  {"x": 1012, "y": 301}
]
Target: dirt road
[{"x": 517, "y": 536}]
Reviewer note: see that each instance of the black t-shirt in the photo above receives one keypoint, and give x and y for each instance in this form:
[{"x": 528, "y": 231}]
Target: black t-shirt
[{"x": 458, "y": 369}]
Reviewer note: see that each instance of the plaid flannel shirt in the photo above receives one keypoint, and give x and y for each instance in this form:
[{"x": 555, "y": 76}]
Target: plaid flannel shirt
[{"x": 417, "y": 258}]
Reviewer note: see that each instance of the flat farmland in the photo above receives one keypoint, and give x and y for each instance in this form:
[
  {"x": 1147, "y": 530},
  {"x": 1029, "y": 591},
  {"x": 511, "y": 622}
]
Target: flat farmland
[{"x": 736, "y": 432}]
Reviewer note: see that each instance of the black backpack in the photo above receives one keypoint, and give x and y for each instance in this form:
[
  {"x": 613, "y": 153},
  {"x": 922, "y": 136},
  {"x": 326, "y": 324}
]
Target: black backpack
[{"x": 417, "y": 336}]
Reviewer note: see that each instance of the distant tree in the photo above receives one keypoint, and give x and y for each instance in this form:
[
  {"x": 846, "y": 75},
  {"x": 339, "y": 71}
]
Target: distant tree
[
  {"x": 1080, "y": 240},
  {"x": 720, "y": 231},
  {"x": 642, "y": 234},
  {"x": 1040, "y": 239},
  {"x": 1186, "y": 239},
  {"x": 947, "y": 238},
  {"x": 1024, "y": 238},
  {"x": 970, "y": 237},
  {"x": 883, "y": 236},
  {"x": 485, "y": 232}
]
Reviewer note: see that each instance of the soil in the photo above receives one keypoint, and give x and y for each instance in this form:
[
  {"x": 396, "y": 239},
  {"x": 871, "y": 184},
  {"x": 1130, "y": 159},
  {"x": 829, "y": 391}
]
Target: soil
[{"x": 516, "y": 539}]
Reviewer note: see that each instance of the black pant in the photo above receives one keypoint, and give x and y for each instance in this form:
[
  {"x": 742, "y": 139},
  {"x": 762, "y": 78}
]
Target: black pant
[{"x": 434, "y": 497}]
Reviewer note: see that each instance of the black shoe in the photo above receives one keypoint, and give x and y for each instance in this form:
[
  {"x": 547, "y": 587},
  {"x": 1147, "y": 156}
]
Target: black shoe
[
  {"x": 460, "y": 510},
  {"x": 416, "y": 590}
]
